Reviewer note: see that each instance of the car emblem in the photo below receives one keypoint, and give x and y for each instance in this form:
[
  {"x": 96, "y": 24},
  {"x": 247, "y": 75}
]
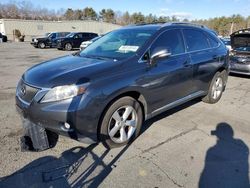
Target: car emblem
[{"x": 23, "y": 90}]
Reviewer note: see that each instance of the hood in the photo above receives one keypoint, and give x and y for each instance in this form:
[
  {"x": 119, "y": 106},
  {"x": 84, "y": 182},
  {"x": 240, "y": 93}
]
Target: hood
[
  {"x": 40, "y": 39},
  {"x": 67, "y": 70}
]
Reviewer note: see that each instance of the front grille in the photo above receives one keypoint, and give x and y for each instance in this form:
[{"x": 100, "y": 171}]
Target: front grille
[{"x": 26, "y": 92}]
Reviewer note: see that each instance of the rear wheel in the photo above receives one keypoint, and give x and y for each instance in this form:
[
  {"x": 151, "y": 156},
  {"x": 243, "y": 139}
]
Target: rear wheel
[
  {"x": 216, "y": 88},
  {"x": 68, "y": 47},
  {"x": 121, "y": 123}
]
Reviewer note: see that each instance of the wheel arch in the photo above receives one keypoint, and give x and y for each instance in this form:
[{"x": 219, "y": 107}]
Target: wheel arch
[
  {"x": 134, "y": 94},
  {"x": 68, "y": 42}
]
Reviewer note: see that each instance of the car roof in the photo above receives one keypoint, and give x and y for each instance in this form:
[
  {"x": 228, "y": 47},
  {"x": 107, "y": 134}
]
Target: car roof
[{"x": 160, "y": 25}]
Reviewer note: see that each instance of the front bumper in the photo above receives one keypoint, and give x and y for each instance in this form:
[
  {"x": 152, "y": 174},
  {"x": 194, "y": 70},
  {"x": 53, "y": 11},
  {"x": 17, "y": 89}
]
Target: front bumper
[
  {"x": 239, "y": 68},
  {"x": 78, "y": 112},
  {"x": 35, "y": 44}
]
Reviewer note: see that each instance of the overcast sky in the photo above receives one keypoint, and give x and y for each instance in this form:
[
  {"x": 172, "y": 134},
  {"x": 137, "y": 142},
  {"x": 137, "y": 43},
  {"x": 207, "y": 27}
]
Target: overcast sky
[{"x": 182, "y": 9}]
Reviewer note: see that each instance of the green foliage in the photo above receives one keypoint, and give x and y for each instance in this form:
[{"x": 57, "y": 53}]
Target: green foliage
[
  {"x": 226, "y": 25},
  {"x": 107, "y": 15},
  {"x": 25, "y": 10},
  {"x": 137, "y": 18},
  {"x": 69, "y": 14},
  {"x": 89, "y": 13}
]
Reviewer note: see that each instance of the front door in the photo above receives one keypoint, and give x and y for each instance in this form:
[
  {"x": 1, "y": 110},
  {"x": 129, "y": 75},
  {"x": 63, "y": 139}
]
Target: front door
[{"x": 171, "y": 78}]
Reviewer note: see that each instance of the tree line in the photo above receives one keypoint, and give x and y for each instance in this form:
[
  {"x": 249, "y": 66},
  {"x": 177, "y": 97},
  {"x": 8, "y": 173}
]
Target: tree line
[{"x": 26, "y": 10}]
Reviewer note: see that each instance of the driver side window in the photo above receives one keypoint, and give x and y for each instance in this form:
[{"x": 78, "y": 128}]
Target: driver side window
[{"x": 171, "y": 40}]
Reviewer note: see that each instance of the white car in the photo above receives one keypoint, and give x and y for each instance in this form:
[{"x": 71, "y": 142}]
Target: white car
[{"x": 87, "y": 43}]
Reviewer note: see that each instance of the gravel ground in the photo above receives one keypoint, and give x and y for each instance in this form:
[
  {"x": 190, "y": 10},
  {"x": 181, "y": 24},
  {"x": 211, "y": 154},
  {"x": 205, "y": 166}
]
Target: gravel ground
[{"x": 179, "y": 148}]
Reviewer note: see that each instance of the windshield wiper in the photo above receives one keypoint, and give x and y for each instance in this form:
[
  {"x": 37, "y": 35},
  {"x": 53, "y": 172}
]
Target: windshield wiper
[{"x": 99, "y": 57}]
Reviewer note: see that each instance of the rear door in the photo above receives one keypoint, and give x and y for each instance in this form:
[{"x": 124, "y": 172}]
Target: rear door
[
  {"x": 171, "y": 79},
  {"x": 204, "y": 58}
]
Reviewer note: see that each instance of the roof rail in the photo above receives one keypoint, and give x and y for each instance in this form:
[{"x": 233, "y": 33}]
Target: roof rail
[
  {"x": 145, "y": 23},
  {"x": 170, "y": 23},
  {"x": 186, "y": 23}
]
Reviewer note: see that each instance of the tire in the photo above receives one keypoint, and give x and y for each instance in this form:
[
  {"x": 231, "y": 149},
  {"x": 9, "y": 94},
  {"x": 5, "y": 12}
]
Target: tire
[
  {"x": 41, "y": 45},
  {"x": 216, "y": 88},
  {"x": 68, "y": 47},
  {"x": 116, "y": 131}
]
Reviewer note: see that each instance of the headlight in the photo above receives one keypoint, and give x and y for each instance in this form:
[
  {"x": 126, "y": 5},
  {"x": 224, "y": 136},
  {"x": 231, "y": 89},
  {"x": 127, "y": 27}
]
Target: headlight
[
  {"x": 63, "y": 92},
  {"x": 35, "y": 40}
]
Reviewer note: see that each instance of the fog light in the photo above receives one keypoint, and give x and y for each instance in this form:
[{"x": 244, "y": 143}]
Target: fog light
[{"x": 66, "y": 125}]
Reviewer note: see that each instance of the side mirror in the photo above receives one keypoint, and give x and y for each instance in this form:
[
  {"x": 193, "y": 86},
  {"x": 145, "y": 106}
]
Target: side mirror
[{"x": 158, "y": 55}]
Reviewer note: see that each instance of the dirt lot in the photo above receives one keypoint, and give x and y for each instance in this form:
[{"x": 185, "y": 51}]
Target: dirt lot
[{"x": 175, "y": 149}]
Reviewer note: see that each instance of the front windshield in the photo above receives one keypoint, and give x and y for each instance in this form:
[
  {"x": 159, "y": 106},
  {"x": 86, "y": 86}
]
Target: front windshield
[
  {"x": 243, "y": 49},
  {"x": 118, "y": 44},
  {"x": 70, "y": 35},
  {"x": 52, "y": 35}
]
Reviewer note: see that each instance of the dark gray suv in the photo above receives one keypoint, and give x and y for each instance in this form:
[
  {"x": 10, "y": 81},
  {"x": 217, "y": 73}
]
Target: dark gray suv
[{"x": 105, "y": 92}]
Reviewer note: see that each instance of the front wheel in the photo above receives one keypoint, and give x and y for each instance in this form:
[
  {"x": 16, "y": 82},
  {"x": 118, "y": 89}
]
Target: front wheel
[
  {"x": 68, "y": 47},
  {"x": 121, "y": 123},
  {"x": 216, "y": 88},
  {"x": 41, "y": 45}
]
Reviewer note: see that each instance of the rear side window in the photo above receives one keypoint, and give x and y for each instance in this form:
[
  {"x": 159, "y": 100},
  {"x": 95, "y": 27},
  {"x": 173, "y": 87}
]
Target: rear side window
[
  {"x": 79, "y": 35},
  {"x": 213, "y": 42},
  {"x": 196, "y": 40},
  {"x": 170, "y": 40},
  {"x": 86, "y": 35}
]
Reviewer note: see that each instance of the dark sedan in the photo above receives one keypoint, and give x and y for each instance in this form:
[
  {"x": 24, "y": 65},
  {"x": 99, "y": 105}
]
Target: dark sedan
[{"x": 74, "y": 40}]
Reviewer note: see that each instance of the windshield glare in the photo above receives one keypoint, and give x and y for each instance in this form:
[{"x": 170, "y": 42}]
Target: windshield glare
[{"x": 118, "y": 44}]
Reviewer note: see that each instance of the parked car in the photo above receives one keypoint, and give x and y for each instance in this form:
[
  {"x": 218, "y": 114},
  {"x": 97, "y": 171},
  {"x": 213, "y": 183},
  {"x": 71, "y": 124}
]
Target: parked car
[
  {"x": 105, "y": 92},
  {"x": 74, "y": 40},
  {"x": 240, "y": 59},
  {"x": 227, "y": 42},
  {"x": 85, "y": 44},
  {"x": 48, "y": 41},
  {"x": 3, "y": 38}
]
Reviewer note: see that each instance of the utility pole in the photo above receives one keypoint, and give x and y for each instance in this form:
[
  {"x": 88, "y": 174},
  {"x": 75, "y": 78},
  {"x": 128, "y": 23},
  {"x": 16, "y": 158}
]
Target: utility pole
[{"x": 232, "y": 27}]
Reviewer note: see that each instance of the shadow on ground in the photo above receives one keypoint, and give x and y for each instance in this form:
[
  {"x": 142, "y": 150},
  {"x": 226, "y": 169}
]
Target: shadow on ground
[
  {"x": 226, "y": 163},
  {"x": 76, "y": 167},
  {"x": 50, "y": 171}
]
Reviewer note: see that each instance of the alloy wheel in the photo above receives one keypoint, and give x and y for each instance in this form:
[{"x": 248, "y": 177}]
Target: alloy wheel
[
  {"x": 217, "y": 88},
  {"x": 68, "y": 46},
  {"x": 122, "y": 124}
]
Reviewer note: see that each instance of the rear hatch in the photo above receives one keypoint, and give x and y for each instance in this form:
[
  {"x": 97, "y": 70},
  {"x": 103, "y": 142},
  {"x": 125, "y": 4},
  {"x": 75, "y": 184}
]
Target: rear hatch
[
  {"x": 241, "y": 39},
  {"x": 240, "y": 42}
]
